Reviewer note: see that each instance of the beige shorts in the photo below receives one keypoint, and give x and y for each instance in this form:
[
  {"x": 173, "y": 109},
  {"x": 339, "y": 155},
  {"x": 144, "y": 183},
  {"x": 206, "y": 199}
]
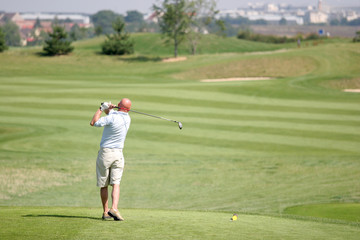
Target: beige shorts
[{"x": 109, "y": 166}]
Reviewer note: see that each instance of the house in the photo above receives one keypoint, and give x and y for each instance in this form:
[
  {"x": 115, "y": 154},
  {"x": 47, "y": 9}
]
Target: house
[
  {"x": 153, "y": 17},
  {"x": 25, "y": 24},
  {"x": 14, "y": 17}
]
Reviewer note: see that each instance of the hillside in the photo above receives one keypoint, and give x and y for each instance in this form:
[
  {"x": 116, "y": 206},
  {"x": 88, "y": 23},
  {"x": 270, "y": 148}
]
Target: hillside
[
  {"x": 153, "y": 44},
  {"x": 276, "y": 152}
]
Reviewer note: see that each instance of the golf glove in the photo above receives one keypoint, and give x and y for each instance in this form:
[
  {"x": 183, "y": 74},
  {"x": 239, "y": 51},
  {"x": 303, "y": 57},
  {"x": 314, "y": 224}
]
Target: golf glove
[{"x": 105, "y": 105}]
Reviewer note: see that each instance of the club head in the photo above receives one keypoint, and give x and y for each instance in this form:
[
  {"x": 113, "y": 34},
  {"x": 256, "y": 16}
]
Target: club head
[{"x": 180, "y": 125}]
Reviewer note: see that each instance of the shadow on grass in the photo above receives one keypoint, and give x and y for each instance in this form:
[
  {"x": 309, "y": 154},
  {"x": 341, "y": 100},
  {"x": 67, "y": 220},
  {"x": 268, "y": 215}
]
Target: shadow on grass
[
  {"x": 43, "y": 54},
  {"x": 128, "y": 58},
  {"x": 61, "y": 216},
  {"x": 141, "y": 59}
]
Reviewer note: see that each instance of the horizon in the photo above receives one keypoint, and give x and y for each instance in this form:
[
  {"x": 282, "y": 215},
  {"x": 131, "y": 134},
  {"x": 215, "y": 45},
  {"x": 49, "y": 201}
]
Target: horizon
[{"x": 83, "y": 6}]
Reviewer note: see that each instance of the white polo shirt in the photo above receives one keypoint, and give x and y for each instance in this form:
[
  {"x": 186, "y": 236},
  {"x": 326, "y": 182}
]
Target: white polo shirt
[{"x": 116, "y": 126}]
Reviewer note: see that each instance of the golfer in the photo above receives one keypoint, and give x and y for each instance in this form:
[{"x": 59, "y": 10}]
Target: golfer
[{"x": 110, "y": 160}]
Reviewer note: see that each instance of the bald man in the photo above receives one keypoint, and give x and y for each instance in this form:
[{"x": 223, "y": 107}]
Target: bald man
[{"x": 110, "y": 160}]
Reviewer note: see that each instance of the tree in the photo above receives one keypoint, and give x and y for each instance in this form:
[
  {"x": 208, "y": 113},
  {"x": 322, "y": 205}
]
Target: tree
[
  {"x": 12, "y": 34},
  {"x": 204, "y": 12},
  {"x": 282, "y": 21},
  {"x": 334, "y": 22},
  {"x": 174, "y": 20},
  {"x": 135, "y": 21},
  {"x": 118, "y": 43},
  {"x": 103, "y": 21},
  {"x": 37, "y": 23},
  {"x": 357, "y": 37},
  {"x": 98, "y": 30},
  {"x": 355, "y": 22},
  {"x": 3, "y": 46},
  {"x": 57, "y": 42},
  {"x": 75, "y": 33},
  {"x": 78, "y": 33},
  {"x": 134, "y": 16}
]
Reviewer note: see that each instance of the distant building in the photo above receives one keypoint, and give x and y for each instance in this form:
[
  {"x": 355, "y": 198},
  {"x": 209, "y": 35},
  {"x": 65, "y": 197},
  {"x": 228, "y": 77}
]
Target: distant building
[
  {"x": 152, "y": 17},
  {"x": 351, "y": 15},
  {"x": 275, "y": 19},
  {"x": 26, "y": 23},
  {"x": 272, "y": 8},
  {"x": 10, "y": 17},
  {"x": 76, "y": 18},
  {"x": 316, "y": 17},
  {"x": 319, "y": 5}
]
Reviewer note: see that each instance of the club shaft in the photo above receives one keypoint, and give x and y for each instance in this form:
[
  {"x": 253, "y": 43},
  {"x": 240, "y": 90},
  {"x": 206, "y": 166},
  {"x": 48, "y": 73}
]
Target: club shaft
[{"x": 152, "y": 116}]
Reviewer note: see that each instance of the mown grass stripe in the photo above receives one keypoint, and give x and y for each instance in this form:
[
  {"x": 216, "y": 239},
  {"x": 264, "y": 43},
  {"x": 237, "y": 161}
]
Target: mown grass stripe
[
  {"x": 322, "y": 127},
  {"x": 348, "y": 129},
  {"x": 278, "y": 131},
  {"x": 263, "y": 137},
  {"x": 253, "y": 144},
  {"x": 246, "y": 103}
]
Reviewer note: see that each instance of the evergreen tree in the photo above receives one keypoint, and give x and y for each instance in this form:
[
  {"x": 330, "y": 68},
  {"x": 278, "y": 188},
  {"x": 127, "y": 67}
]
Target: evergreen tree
[
  {"x": 118, "y": 43},
  {"x": 57, "y": 42},
  {"x": 3, "y": 46},
  {"x": 37, "y": 23}
]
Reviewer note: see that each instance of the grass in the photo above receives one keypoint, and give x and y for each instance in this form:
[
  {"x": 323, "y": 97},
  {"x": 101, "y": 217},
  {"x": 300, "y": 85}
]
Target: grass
[
  {"x": 153, "y": 45},
  {"x": 272, "y": 66},
  {"x": 347, "y": 212},
  {"x": 84, "y": 223},
  {"x": 344, "y": 84},
  {"x": 254, "y": 148}
]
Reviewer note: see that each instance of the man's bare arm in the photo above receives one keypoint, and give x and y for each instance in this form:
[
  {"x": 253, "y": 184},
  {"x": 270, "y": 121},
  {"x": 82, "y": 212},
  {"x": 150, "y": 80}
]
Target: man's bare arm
[{"x": 96, "y": 117}]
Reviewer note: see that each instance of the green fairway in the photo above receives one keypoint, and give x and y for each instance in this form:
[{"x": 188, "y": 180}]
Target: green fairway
[
  {"x": 84, "y": 223},
  {"x": 256, "y": 148}
]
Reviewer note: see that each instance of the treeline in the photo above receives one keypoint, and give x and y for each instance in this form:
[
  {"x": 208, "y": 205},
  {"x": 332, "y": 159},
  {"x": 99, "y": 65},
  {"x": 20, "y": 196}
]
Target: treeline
[
  {"x": 134, "y": 22},
  {"x": 345, "y": 22},
  {"x": 247, "y": 34}
]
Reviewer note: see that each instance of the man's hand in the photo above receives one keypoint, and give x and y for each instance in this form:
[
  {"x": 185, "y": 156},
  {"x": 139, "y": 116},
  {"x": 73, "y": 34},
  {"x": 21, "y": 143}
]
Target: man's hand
[
  {"x": 111, "y": 106},
  {"x": 105, "y": 105}
]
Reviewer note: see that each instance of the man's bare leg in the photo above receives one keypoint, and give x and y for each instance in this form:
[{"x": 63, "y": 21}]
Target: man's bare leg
[
  {"x": 114, "y": 212},
  {"x": 104, "y": 198},
  {"x": 115, "y": 196}
]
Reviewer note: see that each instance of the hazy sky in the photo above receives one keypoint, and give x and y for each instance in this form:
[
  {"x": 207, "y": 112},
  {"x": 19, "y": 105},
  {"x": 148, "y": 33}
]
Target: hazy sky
[{"x": 121, "y": 6}]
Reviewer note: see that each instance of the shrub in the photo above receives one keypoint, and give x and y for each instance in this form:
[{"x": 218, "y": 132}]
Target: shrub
[
  {"x": 312, "y": 36},
  {"x": 357, "y": 37},
  {"x": 3, "y": 46},
  {"x": 58, "y": 43},
  {"x": 248, "y": 35},
  {"x": 118, "y": 43}
]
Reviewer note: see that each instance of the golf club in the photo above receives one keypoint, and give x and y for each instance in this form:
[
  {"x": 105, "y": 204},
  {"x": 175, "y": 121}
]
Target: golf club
[{"x": 179, "y": 123}]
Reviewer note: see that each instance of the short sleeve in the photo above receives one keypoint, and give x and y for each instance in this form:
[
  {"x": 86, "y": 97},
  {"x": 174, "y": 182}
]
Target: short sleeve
[{"x": 104, "y": 121}]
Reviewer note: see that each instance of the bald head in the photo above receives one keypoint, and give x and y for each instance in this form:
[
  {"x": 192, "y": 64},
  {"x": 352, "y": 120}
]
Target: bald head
[{"x": 124, "y": 105}]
